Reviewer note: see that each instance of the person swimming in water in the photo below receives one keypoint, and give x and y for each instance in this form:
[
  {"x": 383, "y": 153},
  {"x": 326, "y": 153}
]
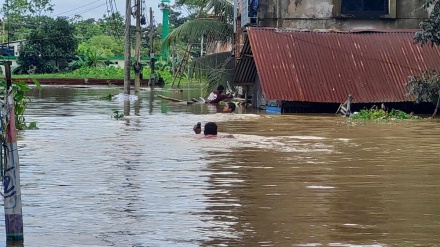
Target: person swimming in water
[{"x": 210, "y": 130}]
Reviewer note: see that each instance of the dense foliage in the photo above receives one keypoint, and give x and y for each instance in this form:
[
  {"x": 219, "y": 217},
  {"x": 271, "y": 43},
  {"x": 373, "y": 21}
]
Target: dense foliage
[
  {"x": 430, "y": 27},
  {"x": 22, "y": 16},
  {"x": 49, "y": 48},
  {"x": 105, "y": 33}
]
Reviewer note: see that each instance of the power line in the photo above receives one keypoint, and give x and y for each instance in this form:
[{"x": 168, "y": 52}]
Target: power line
[
  {"x": 88, "y": 10},
  {"x": 76, "y": 8}
]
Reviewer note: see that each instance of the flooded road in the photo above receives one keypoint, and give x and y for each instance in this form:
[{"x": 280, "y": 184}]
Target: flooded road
[{"x": 285, "y": 180}]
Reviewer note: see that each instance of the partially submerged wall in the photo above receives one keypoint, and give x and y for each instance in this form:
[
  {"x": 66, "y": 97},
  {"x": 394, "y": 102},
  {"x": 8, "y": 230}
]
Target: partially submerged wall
[{"x": 326, "y": 14}]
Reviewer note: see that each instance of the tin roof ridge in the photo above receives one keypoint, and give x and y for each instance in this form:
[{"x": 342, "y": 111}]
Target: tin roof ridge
[{"x": 335, "y": 30}]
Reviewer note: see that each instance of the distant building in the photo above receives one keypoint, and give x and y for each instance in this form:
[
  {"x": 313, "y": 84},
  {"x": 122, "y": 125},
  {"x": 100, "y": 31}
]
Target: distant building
[
  {"x": 11, "y": 48},
  {"x": 9, "y": 51}
]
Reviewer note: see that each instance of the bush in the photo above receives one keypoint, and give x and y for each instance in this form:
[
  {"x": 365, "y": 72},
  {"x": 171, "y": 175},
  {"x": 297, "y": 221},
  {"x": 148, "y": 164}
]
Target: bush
[{"x": 378, "y": 114}]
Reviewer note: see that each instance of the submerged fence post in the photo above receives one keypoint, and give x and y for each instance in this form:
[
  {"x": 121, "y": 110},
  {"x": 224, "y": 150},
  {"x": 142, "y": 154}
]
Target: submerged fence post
[{"x": 11, "y": 174}]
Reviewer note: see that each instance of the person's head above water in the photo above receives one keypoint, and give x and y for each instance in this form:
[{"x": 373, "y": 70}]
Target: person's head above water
[
  {"x": 229, "y": 107},
  {"x": 210, "y": 129},
  {"x": 220, "y": 88},
  {"x": 198, "y": 128}
]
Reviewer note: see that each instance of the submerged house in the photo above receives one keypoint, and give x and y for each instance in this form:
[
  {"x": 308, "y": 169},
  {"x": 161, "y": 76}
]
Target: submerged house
[{"x": 310, "y": 55}]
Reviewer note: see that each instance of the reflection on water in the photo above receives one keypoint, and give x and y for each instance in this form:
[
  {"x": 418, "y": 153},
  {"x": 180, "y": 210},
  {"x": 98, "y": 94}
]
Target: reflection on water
[{"x": 285, "y": 180}]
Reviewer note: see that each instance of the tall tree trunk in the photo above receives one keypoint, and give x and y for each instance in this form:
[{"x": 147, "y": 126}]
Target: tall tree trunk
[{"x": 436, "y": 107}]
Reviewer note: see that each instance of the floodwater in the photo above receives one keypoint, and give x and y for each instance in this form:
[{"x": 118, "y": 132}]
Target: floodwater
[{"x": 89, "y": 179}]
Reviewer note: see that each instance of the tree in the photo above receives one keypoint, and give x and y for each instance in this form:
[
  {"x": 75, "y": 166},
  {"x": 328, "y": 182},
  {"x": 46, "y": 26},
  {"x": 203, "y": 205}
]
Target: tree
[
  {"x": 430, "y": 32},
  {"x": 104, "y": 35},
  {"x": 94, "y": 52},
  {"x": 176, "y": 19},
  {"x": 88, "y": 56},
  {"x": 86, "y": 29},
  {"x": 108, "y": 45},
  {"x": 426, "y": 87},
  {"x": 213, "y": 23},
  {"x": 215, "y": 27},
  {"x": 21, "y": 8},
  {"x": 29, "y": 7},
  {"x": 49, "y": 47},
  {"x": 22, "y": 16},
  {"x": 112, "y": 25}
]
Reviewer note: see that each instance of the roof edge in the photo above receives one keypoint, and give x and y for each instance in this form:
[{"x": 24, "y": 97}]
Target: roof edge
[{"x": 351, "y": 31}]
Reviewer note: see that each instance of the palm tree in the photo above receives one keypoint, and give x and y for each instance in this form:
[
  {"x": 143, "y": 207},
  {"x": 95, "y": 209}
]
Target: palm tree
[{"x": 213, "y": 23}]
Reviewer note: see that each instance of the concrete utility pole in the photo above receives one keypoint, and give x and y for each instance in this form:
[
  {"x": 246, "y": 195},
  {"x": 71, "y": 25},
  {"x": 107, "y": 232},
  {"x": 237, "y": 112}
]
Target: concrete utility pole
[
  {"x": 165, "y": 7},
  {"x": 11, "y": 174},
  {"x": 3, "y": 31},
  {"x": 152, "y": 75},
  {"x": 137, "y": 77},
  {"x": 127, "y": 47}
]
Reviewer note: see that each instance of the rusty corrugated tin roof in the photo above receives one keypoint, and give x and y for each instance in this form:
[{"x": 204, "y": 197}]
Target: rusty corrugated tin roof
[
  {"x": 312, "y": 66},
  {"x": 245, "y": 72}
]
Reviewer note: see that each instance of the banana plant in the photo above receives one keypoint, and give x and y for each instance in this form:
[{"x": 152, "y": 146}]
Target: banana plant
[{"x": 211, "y": 25}]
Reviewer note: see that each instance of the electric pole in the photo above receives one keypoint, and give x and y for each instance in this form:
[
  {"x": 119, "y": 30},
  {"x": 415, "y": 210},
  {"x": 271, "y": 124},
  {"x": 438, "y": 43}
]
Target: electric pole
[
  {"x": 3, "y": 31},
  {"x": 127, "y": 47},
  {"x": 138, "y": 68},
  {"x": 152, "y": 75},
  {"x": 11, "y": 170}
]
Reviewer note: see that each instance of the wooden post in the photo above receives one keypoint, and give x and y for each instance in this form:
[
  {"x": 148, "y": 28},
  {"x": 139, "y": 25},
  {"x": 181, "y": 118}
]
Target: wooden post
[
  {"x": 137, "y": 77},
  {"x": 127, "y": 47},
  {"x": 348, "y": 112},
  {"x": 11, "y": 175},
  {"x": 246, "y": 96},
  {"x": 436, "y": 106}
]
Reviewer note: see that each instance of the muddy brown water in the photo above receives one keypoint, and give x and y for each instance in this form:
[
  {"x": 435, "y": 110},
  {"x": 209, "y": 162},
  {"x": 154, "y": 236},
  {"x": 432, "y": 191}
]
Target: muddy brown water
[{"x": 285, "y": 180}]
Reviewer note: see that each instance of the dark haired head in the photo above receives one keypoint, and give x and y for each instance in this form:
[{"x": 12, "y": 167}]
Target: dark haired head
[
  {"x": 231, "y": 106},
  {"x": 220, "y": 88},
  {"x": 210, "y": 129}
]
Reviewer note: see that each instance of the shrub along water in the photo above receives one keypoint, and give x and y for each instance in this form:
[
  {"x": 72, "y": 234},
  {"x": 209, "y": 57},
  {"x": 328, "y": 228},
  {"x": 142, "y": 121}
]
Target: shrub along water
[
  {"x": 21, "y": 101},
  {"x": 381, "y": 115},
  {"x": 107, "y": 72}
]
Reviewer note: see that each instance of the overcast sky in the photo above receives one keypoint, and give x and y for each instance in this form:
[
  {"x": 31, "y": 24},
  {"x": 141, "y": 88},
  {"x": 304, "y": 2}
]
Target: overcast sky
[{"x": 97, "y": 8}]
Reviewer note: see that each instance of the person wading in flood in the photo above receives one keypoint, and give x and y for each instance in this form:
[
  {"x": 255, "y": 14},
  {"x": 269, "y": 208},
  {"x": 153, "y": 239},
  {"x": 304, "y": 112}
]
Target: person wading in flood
[
  {"x": 217, "y": 96},
  {"x": 229, "y": 107}
]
